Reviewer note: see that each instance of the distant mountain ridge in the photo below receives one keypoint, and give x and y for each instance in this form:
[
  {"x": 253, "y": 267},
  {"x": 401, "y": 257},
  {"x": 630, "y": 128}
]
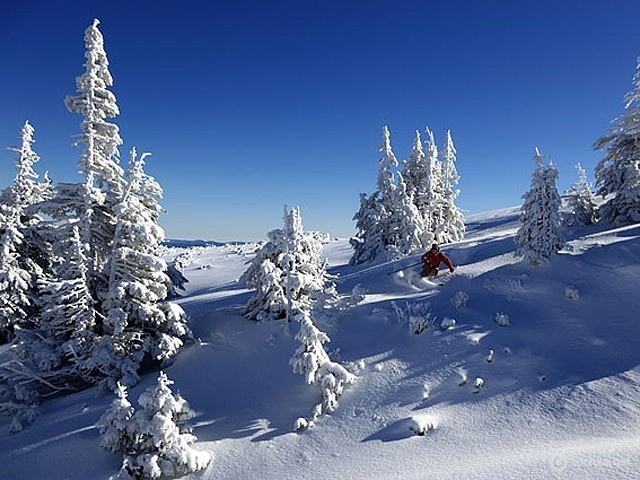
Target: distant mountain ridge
[{"x": 179, "y": 243}]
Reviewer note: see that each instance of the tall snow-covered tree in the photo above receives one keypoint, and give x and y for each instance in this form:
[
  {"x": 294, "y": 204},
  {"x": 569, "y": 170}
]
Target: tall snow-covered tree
[
  {"x": 405, "y": 224},
  {"x": 15, "y": 281},
  {"x": 386, "y": 174},
  {"x": 138, "y": 320},
  {"x": 618, "y": 173},
  {"x": 48, "y": 349},
  {"x": 414, "y": 169},
  {"x": 287, "y": 273},
  {"x": 432, "y": 196},
  {"x": 26, "y": 190},
  {"x": 158, "y": 436},
  {"x": 387, "y": 221},
  {"x": 368, "y": 243},
  {"x": 450, "y": 227},
  {"x": 581, "y": 201},
  {"x": 401, "y": 225},
  {"x": 539, "y": 235},
  {"x": 104, "y": 180},
  {"x": 372, "y": 237},
  {"x": 417, "y": 174},
  {"x": 17, "y": 267}
]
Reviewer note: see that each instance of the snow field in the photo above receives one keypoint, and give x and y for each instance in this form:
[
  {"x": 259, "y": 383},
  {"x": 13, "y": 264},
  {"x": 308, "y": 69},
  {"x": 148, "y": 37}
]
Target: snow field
[{"x": 560, "y": 397}]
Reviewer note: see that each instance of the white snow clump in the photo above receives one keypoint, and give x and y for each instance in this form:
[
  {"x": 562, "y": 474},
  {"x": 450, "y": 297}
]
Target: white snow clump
[
  {"x": 421, "y": 425},
  {"x": 478, "y": 384},
  {"x": 447, "y": 323},
  {"x": 301, "y": 424},
  {"x": 501, "y": 319},
  {"x": 571, "y": 293}
]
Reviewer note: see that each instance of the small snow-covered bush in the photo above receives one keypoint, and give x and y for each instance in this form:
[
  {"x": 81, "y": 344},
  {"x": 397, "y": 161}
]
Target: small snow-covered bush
[
  {"x": 416, "y": 315},
  {"x": 501, "y": 319},
  {"x": 460, "y": 300},
  {"x": 357, "y": 366},
  {"x": 489, "y": 357},
  {"x": 447, "y": 323},
  {"x": 301, "y": 424},
  {"x": 514, "y": 288},
  {"x": 478, "y": 384},
  {"x": 571, "y": 293},
  {"x": 155, "y": 439},
  {"x": 114, "y": 423},
  {"x": 421, "y": 425}
]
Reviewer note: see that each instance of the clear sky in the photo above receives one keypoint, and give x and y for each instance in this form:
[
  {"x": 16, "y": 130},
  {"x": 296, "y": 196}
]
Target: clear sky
[{"x": 247, "y": 106}]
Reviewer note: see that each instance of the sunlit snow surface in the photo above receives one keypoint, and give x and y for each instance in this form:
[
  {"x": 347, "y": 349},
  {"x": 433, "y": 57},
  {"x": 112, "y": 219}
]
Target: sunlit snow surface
[{"x": 560, "y": 397}]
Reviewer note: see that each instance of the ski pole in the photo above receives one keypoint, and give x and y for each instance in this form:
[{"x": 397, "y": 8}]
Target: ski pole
[{"x": 409, "y": 266}]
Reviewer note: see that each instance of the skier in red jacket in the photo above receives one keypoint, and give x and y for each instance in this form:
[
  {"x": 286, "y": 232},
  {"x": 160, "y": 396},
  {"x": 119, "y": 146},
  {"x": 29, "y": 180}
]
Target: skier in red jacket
[{"x": 431, "y": 261}]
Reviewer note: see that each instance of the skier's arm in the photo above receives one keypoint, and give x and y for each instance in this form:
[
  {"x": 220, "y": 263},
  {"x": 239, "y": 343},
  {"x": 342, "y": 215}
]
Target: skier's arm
[{"x": 446, "y": 261}]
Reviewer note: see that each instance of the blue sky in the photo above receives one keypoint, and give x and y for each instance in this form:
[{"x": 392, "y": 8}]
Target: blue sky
[{"x": 247, "y": 106}]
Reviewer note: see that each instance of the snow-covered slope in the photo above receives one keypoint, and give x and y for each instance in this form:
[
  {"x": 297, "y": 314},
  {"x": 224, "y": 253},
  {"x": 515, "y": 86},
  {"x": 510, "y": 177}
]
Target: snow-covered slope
[{"x": 560, "y": 397}]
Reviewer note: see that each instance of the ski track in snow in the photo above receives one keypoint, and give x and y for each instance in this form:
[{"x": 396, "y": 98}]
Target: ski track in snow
[{"x": 560, "y": 396}]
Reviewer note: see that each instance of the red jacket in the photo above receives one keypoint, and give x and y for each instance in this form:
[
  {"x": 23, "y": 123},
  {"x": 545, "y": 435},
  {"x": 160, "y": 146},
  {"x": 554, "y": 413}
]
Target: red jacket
[{"x": 433, "y": 259}]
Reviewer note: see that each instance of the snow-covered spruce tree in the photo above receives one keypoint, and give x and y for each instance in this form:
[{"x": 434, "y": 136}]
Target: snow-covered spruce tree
[
  {"x": 368, "y": 242},
  {"x": 431, "y": 180},
  {"x": 581, "y": 201},
  {"x": 15, "y": 281},
  {"x": 415, "y": 170},
  {"x": 401, "y": 223},
  {"x": 618, "y": 173},
  {"x": 23, "y": 253},
  {"x": 388, "y": 163},
  {"x": 386, "y": 220},
  {"x": 138, "y": 321},
  {"x": 26, "y": 190},
  {"x": 372, "y": 219},
  {"x": 159, "y": 438},
  {"x": 49, "y": 350},
  {"x": 539, "y": 235},
  {"x": 114, "y": 424},
  {"x": 432, "y": 203},
  {"x": 104, "y": 182},
  {"x": 287, "y": 273},
  {"x": 451, "y": 225},
  {"x": 405, "y": 224},
  {"x": 417, "y": 173},
  {"x": 311, "y": 360}
]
